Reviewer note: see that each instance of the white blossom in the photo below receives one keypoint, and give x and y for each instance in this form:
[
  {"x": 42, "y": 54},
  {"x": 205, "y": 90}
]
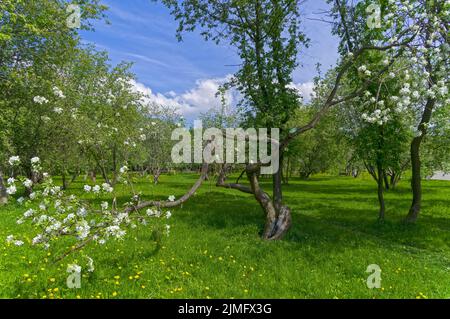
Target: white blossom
[
  {"x": 107, "y": 188},
  {"x": 40, "y": 100},
  {"x": 11, "y": 190},
  {"x": 58, "y": 110},
  {"x": 104, "y": 205},
  {"x": 18, "y": 243},
  {"x": 58, "y": 92},
  {"x": 96, "y": 189},
  {"x": 14, "y": 160},
  {"x": 123, "y": 169},
  {"x": 27, "y": 183}
]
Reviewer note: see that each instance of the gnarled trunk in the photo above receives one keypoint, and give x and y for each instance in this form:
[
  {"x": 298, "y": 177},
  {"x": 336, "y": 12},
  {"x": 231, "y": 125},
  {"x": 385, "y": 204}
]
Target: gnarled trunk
[{"x": 278, "y": 216}]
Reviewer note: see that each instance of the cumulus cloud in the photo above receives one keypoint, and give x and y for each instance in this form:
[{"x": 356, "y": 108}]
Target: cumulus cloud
[
  {"x": 305, "y": 89},
  {"x": 193, "y": 102},
  {"x": 203, "y": 97}
]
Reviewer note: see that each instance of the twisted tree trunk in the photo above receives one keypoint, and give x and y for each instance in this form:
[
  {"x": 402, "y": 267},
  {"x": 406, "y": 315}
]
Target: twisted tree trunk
[{"x": 278, "y": 216}]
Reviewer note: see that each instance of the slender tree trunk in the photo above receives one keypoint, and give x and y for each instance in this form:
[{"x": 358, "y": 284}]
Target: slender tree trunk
[
  {"x": 380, "y": 192},
  {"x": 74, "y": 177},
  {"x": 416, "y": 179},
  {"x": 3, "y": 194},
  {"x": 115, "y": 175},
  {"x": 105, "y": 175},
  {"x": 286, "y": 172},
  {"x": 156, "y": 175},
  {"x": 64, "y": 181},
  {"x": 93, "y": 176},
  {"x": 386, "y": 181}
]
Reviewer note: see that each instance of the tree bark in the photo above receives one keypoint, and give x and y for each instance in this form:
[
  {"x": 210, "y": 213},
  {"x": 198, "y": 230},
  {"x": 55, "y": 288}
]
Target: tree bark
[
  {"x": 386, "y": 181},
  {"x": 156, "y": 175},
  {"x": 93, "y": 176},
  {"x": 416, "y": 179},
  {"x": 278, "y": 216},
  {"x": 3, "y": 194},
  {"x": 380, "y": 174},
  {"x": 64, "y": 181}
]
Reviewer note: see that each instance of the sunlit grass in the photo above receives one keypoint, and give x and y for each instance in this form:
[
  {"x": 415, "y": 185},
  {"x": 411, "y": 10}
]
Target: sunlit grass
[{"x": 214, "y": 249}]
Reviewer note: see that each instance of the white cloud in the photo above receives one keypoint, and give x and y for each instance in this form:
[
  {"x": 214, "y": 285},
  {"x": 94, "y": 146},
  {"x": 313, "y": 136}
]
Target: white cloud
[
  {"x": 203, "y": 96},
  {"x": 305, "y": 89},
  {"x": 190, "y": 104}
]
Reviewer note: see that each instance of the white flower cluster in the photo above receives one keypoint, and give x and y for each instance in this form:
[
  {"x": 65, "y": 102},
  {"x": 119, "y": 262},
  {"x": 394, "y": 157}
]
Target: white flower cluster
[
  {"x": 55, "y": 214},
  {"x": 11, "y": 189},
  {"x": 40, "y": 100},
  {"x": 58, "y": 110},
  {"x": 378, "y": 116},
  {"x": 97, "y": 189},
  {"x": 11, "y": 240},
  {"x": 36, "y": 164},
  {"x": 363, "y": 69},
  {"x": 123, "y": 170},
  {"x": 57, "y": 92},
  {"x": 14, "y": 160}
]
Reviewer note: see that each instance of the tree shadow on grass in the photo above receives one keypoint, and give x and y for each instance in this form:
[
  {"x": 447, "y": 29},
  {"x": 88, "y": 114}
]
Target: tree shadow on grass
[
  {"x": 317, "y": 224},
  {"x": 324, "y": 220}
]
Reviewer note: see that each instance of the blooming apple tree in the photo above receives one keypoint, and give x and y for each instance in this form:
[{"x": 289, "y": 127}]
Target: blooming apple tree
[
  {"x": 54, "y": 214},
  {"x": 396, "y": 106}
]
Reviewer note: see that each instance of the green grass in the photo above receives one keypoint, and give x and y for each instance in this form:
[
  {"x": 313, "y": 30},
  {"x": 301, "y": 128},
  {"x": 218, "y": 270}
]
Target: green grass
[{"x": 214, "y": 249}]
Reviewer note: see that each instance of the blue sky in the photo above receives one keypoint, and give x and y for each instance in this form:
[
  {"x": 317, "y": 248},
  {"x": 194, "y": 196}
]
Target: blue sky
[{"x": 143, "y": 32}]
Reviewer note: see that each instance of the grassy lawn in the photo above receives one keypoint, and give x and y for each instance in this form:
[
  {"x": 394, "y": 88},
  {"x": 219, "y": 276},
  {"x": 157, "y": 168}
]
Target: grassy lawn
[{"x": 214, "y": 249}]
